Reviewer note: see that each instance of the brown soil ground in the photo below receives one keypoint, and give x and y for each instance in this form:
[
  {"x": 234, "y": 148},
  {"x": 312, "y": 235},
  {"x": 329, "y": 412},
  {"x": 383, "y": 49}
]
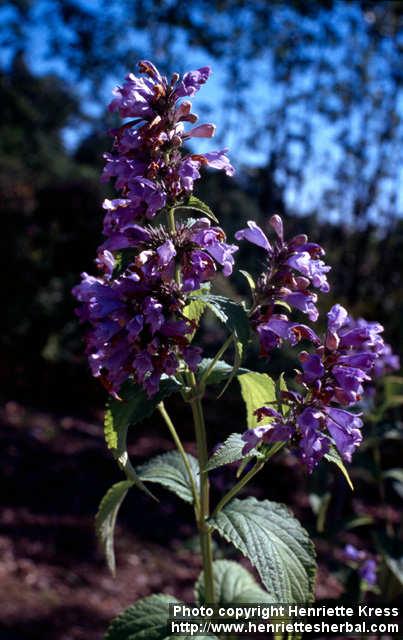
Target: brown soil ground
[{"x": 54, "y": 583}]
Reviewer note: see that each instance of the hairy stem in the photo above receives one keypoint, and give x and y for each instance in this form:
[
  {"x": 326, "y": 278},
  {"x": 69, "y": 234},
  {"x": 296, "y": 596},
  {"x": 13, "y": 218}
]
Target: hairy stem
[
  {"x": 238, "y": 486},
  {"x": 182, "y": 452},
  {"x": 204, "y": 512}
]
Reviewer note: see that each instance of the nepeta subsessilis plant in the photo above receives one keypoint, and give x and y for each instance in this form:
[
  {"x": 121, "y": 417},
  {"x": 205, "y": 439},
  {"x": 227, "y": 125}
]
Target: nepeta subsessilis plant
[{"x": 162, "y": 250}]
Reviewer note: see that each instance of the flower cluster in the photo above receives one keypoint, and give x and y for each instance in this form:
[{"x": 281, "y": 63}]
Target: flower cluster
[
  {"x": 147, "y": 163},
  {"x": 332, "y": 378},
  {"x": 361, "y": 559},
  {"x": 136, "y": 305},
  {"x": 136, "y": 329},
  {"x": 294, "y": 267},
  {"x": 386, "y": 361}
]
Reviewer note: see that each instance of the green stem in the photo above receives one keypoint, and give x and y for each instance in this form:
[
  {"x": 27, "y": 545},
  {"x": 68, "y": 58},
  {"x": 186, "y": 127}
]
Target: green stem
[
  {"x": 171, "y": 220},
  {"x": 182, "y": 452},
  {"x": 204, "y": 512},
  {"x": 216, "y": 358},
  {"x": 238, "y": 486}
]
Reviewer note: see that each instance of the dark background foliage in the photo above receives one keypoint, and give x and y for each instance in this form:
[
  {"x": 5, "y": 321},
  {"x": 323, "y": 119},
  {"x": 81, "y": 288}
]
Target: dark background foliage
[{"x": 309, "y": 96}]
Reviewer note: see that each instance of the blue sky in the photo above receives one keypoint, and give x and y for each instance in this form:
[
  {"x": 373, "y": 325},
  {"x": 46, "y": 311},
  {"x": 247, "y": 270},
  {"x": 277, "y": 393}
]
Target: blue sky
[{"x": 209, "y": 104}]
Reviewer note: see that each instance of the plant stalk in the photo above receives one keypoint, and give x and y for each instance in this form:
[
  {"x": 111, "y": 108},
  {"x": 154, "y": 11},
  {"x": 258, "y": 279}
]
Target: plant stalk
[
  {"x": 204, "y": 511},
  {"x": 238, "y": 486},
  {"x": 182, "y": 452}
]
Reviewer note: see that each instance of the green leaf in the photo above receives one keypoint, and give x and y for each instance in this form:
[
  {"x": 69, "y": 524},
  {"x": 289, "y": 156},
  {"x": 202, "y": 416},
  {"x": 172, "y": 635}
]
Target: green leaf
[
  {"x": 231, "y": 451},
  {"x": 198, "y": 205},
  {"x": 194, "y": 310},
  {"x": 257, "y": 389},
  {"x": 334, "y": 457},
  {"x": 106, "y": 518},
  {"x": 133, "y": 407},
  {"x": 232, "y": 314},
  {"x": 146, "y": 620},
  {"x": 169, "y": 470},
  {"x": 235, "y": 317},
  {"x": 233, "y": 584},
  {"x": 220, "y": 372},
  {"x": 275, "y": 543},
  {"x": 120, "y": 414},
  {"x": 249, "y": 279},
  {"x": 196, "y": 307}
]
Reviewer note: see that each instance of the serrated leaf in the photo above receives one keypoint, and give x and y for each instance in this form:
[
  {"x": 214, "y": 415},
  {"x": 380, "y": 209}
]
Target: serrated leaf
[
  {"x": 168, "y": 470},
  {"x": 231, "y": 451},
  {"x": 232, "y": 314},
  {"x": 121, "y": 414},
  {"x": 257, "y": 390},
  {"x": 274, "y": 542},
  {"x": 220, "y": 372},
  {"x": 145, "y": 620},
  {"x": 198, "y": 205},
  {"x": 334, "y": 457},
  {"x": 235, "y": 317},
  {"x": 194, "y": 310},
  {"x": 133, "y": 407},
  {"x": 105, "y": 519},
  {"x": 233, "y": 584}
]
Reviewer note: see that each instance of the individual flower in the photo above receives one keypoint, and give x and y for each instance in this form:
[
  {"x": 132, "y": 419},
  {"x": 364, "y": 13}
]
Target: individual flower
[
  {"x": 332, "y": 379},
  {"x": 293, "y": 269}
]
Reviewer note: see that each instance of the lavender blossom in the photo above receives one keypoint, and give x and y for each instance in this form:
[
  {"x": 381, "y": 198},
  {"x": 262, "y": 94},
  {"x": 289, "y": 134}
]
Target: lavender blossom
[
  {"x": 332, "y": 379},
  {"x": 137, "y": 328},
  {"x": 137, "y": 325},
  {"x": 147, "y": 163},
  {"x": 293, "y": 268}
]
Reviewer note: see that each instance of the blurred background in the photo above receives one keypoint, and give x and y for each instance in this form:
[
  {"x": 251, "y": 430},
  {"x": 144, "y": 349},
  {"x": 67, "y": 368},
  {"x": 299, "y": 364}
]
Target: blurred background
[{"x": 309, "y": 99}]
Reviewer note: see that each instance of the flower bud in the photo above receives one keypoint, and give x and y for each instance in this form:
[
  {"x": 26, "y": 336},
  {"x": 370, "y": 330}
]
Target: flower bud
[{"x": 277, "y": 224}]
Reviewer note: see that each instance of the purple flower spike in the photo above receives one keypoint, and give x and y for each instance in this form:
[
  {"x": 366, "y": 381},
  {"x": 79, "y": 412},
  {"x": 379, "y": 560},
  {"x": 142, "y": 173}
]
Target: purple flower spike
[
  {"x": 147, "y": 162},
  {"x": 293, "y": 268}
]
